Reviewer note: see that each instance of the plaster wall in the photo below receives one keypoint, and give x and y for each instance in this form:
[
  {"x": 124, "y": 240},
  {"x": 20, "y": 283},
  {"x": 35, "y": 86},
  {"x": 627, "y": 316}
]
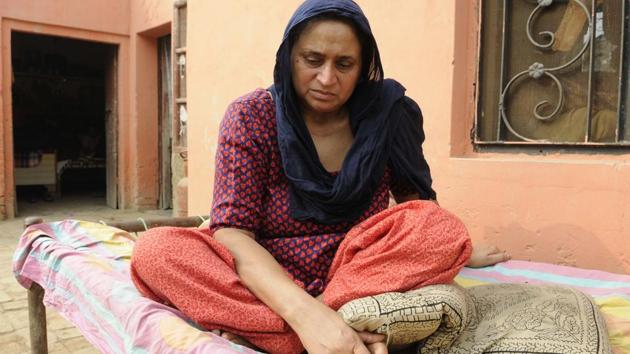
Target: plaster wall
[
  {"x": 94, "y": 15},
  {"x": 149, "y": 20},
  {"x": 567, "y": 208}
]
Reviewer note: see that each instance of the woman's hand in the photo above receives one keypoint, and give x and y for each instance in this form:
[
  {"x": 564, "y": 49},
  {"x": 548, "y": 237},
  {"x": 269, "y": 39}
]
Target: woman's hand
[
  {"x": 374, "y": 342},
  {"x": 483, "y": 256},
  {"x": 322, "y": 330}
]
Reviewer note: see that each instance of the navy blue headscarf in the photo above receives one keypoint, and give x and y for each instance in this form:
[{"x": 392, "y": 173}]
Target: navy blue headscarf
[{"x": 387, "y": 129}]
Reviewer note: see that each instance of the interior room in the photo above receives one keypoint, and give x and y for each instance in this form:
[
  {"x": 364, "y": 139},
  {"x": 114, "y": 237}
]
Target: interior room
[{"x": 59, "y": 119}]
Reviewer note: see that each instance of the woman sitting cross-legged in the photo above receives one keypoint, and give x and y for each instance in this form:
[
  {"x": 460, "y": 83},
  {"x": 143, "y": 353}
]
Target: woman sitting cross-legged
[{"x": 300, "y": 222}]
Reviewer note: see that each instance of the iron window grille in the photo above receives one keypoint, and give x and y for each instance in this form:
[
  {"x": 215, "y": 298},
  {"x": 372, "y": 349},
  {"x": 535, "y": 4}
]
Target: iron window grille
[{"x": 553, "y": 72}]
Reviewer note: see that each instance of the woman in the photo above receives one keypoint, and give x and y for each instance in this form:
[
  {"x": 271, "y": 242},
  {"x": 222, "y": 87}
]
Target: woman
[{"x": 297, "y": 167}]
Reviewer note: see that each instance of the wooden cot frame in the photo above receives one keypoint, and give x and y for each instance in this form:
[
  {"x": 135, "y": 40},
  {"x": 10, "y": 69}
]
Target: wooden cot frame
[{"x": 36, "y": 308}]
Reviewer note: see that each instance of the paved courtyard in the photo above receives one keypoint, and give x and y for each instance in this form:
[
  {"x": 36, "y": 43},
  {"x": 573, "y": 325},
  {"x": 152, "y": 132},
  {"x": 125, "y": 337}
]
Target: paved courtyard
[{"x": 63, "y": 337}]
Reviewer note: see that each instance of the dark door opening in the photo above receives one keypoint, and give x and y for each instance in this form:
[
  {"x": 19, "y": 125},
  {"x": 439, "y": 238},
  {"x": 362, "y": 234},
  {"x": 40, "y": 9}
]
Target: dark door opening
[{"x": 63, "y": 108}]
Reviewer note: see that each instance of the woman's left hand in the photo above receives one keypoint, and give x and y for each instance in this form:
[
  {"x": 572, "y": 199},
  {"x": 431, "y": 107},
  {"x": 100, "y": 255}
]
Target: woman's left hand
[
  {"x": 483, "y": 256},
  {"x": 377, "y": 348},
  {"x": 374, "y": 342}
]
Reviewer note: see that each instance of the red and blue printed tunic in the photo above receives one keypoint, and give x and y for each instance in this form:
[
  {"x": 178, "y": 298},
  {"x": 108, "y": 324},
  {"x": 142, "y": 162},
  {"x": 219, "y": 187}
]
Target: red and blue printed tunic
[{"x": 251, "y": 193}]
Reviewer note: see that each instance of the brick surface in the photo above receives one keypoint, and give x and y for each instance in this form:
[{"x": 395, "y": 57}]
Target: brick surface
[
  {"x": 17, "y": 294},
  {"x": 58, "y": 322},
  {"x": 8, "y": 282},
  {"x": 60, "y": 349},
  {"x": 67, "y": 333},
  {"x": 4, "y": 297},
  {"x": 14, "y": 305},
  {"x": 17, "y": 336},
  {"x": 15, "y": 348},
  {"x": 17, "y": 319},
  {"x": 55, "y": 346},
  {"x": 6, "y": 327}
]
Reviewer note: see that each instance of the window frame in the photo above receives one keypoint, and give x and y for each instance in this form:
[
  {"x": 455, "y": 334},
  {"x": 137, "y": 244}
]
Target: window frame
[{"x": 622, "y": 131}]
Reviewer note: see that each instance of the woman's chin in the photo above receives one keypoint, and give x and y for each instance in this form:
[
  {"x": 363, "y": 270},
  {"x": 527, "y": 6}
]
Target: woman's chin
[{"x": 324, "y": 107}]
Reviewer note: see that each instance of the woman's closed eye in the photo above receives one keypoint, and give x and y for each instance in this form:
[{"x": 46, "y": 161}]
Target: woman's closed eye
[
  {"x": 313, "y": 60},
  {"x": 344, "y": 65}
]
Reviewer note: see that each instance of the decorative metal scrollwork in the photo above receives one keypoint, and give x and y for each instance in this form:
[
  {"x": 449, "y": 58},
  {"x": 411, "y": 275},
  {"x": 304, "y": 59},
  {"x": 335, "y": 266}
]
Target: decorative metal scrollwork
[{"x": 538, "y": 70}]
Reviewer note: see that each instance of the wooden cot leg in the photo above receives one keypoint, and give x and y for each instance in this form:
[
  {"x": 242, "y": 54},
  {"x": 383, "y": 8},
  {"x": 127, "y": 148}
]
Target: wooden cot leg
[
  {"x": 36, "y": 309},
  {"x": 37, "y": 319}
]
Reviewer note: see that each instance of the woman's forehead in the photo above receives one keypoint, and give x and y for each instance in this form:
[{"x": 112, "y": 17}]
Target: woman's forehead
[{"x": 323, "y": 35}]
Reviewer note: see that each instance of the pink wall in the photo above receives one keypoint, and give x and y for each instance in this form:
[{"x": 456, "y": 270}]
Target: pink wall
[
  {"x": 560, "y": 208},
  {"x": 231, "y": 52},
  {"x": 94, "y": 15},
  {"x": 150, "y": 19}
]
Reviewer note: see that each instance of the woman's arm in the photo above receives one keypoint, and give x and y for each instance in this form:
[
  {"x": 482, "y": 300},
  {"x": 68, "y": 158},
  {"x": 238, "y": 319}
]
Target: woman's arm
[
  {"x": 320, "y": 329},
  {"x": 262, "y": 274}
]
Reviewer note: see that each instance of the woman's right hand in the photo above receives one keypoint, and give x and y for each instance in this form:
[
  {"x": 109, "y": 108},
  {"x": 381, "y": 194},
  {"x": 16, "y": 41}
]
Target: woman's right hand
[{"x": 322, "y": 330}]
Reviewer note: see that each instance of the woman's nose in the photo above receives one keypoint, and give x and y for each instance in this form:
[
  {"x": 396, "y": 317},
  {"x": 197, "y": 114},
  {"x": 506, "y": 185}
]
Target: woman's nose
[{"x": 326, "y": 75}]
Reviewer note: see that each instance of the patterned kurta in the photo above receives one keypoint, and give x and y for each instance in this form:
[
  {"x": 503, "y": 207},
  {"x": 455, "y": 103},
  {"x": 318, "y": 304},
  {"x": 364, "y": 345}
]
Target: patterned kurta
[{"x": 251, "y": 193}]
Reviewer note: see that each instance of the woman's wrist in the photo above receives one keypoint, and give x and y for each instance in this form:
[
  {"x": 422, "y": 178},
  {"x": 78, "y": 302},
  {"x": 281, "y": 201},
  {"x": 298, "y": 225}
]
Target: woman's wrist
[
  {"x": 264, "y": 277},
  {"x": 300, "y": 306}
]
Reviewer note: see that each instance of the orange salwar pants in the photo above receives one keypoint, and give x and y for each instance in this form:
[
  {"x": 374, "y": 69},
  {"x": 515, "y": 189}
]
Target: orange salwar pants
[{"x": 411, "y": 245}]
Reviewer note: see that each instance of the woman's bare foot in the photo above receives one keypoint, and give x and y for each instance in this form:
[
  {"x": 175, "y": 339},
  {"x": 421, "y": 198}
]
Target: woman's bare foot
[
  {"x": 234, "y": 339},
  {"x": 483, "y": 256}
]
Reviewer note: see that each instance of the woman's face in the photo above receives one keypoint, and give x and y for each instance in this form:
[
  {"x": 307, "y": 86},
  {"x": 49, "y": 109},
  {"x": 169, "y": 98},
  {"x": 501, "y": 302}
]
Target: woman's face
[{"x": 326, "y": 64}]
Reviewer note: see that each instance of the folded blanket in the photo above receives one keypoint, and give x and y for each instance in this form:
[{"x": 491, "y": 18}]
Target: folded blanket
[
  {"x": 510, "y": 318},
  {"x": 496, "y": 318},
  {"x": 440, "y": 311}
]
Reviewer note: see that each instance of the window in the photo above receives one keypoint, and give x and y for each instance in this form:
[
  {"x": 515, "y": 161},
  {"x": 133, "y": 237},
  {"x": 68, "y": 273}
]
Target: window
[{"x": 546, "y": 78}]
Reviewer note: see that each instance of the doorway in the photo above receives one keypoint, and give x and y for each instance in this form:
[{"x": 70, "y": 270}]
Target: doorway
[{"x": 64, "y": 120}]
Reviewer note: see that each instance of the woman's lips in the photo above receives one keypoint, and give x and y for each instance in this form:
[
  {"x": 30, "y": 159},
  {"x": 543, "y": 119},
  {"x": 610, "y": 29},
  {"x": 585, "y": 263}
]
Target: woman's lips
[{"x": 322, "y": 95}]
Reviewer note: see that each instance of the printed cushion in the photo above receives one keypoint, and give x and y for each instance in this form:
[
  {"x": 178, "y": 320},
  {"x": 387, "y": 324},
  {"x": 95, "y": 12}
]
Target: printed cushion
[
  {"x": 509, "y": 318},
  {"x": 504, "y": 318},
  {"x": 412, "y": 316}
]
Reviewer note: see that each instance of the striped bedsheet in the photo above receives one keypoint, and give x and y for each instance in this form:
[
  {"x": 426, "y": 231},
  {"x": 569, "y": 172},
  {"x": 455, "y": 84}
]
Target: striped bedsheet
[{"x": 84, "y": 268}]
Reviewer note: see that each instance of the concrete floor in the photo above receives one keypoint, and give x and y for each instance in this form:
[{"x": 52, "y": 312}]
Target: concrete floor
[{"x": 63, "y": 337}]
